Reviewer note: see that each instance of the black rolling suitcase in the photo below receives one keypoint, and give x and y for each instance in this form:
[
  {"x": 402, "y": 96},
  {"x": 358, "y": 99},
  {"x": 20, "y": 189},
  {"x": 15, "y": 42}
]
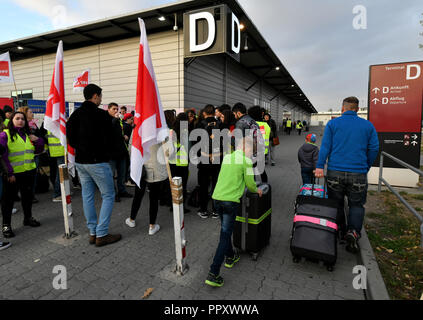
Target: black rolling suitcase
[
  {"x": 254, "y": 236},
  {"x": 315, "y": 231}
]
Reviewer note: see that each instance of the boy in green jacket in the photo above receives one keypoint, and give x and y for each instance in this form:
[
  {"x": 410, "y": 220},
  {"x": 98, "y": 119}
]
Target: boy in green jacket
[{"x": 235, "y": 174}]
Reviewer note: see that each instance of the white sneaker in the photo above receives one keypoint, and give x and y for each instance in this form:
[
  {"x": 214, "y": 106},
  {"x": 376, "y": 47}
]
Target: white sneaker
[
  {"x": 57, "y": 199},
  {"x": 130, "y": 223},
  {"x": 14, "y": 210},
  {"x": 154, "y": 230}
]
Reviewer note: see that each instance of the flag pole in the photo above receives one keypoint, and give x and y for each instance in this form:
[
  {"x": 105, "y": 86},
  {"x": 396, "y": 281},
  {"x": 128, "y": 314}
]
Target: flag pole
[{"x": 17, "y": 94}]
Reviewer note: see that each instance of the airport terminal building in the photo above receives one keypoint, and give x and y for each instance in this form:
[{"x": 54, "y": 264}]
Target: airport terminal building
[{"x": 203, "y": 51}]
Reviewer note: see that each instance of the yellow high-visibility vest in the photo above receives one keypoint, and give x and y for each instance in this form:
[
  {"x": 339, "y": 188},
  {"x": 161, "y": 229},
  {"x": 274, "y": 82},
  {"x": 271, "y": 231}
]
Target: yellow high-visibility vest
[
  {"x": 265, "y": 131},
  {"x": 289, "y": 124},
  {"x": 21, "y": 153},
  {"x": 55, "y": 148},
  {"x": 180, "y": 156}
]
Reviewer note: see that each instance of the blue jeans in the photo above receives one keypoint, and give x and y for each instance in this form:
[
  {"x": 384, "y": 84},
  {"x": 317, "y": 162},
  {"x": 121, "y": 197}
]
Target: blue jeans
[
  {"x": 119, "y": 165},
  {"x": 227, "y": 212},
  {"x": 354, "y": 186},
  {"x": 100, "y": 175},
  {"x": 57, "y": 191},
  {"x": 307, "y": 175}
]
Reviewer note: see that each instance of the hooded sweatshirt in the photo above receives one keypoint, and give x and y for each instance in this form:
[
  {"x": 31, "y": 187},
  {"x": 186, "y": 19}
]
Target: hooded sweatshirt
[{"x": 308, "y": 155}]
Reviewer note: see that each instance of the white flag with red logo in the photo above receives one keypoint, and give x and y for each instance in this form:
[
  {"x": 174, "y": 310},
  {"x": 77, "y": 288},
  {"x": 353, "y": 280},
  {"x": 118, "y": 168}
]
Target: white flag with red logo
[
  {"x": 55, "y": 117},
  {"x": 81, "y": 81},
  {"x": 150, "y": 122},
  {"x": 6, "y": 74}
]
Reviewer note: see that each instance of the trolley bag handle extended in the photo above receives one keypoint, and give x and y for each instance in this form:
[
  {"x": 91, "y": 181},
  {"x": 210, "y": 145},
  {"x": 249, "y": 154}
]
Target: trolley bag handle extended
[
  {"x": 324, "y": 187},
  {"x": 244, "y": 226}
]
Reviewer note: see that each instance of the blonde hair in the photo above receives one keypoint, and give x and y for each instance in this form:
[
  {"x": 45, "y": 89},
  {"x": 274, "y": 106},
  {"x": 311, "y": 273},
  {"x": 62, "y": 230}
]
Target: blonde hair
[{"x": 24, "y": 110}]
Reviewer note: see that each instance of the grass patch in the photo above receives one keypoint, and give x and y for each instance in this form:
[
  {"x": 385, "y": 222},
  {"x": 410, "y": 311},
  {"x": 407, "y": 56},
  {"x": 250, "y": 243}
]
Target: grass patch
[{"x": 394, "y": 234}]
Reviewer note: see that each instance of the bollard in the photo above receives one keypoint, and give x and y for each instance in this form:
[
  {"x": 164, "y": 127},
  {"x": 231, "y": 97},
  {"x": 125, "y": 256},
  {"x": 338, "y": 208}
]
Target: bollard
[
  {"x": 66, "y": 201},
  {"x": 178, "y": 219}
]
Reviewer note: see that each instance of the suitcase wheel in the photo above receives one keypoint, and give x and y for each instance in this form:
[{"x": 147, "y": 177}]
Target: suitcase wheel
[
  {"x": 296, "y": 259},
  {"x": 330, "y": 268}
]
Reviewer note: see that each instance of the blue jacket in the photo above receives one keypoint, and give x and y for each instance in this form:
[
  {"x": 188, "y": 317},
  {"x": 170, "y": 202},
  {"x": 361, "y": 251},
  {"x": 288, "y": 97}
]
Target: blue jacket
[{"x": 350, "y": 144}]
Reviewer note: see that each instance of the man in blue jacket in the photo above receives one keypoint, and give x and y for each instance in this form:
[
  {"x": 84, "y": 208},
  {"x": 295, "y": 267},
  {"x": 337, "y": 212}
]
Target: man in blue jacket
[{"x": 351, "y": 145}]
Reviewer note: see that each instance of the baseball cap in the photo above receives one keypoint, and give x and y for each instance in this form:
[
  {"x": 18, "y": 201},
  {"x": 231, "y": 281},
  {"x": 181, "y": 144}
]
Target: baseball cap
[{"x": 127, "y": 116}]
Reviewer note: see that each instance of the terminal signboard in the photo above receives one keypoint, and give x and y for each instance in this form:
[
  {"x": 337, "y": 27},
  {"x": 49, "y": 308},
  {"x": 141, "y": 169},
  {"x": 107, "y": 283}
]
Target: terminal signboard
[{"x": 395, "y": 109}]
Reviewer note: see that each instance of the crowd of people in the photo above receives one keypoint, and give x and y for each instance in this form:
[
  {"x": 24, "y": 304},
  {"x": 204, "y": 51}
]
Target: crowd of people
[{"x": 237, "y": 140}]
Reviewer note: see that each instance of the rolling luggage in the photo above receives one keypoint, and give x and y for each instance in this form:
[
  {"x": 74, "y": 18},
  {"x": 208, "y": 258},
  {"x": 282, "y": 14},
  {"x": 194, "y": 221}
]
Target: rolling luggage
[
  {"x": 254, "y": 236},
  {"x": 315, "y": 230}
]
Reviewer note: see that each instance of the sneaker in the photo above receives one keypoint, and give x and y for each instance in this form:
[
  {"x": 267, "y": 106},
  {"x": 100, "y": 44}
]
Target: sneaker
[
  {"x": 215, "y": 215},
  {"x": 214, "y": 281},
  {"x": 7, "y": 231},
  {"x": 352, "y": 241},
  {"x": 4, "y": 245},
  {"x": 109, "y": 239},
  {"x": 154, "y": 230},
  {"x": 203, "y": 215},
  {"x": 57, "y": 199},
  {"x": 130, "y": 223},
  {"x": 14, "y": 210},
  {"x": 31, "y": 222},
  {"x": 230, "y": 262}
]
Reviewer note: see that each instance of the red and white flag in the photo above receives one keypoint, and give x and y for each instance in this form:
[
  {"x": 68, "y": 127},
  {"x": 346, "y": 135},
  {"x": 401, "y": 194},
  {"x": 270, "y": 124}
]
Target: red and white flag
[
  {"x": 55, "y": 117},
  {"x": 6, "y": 74},
  {"x": 150, "y": 122},
  {"x": 81, "y": 81}
]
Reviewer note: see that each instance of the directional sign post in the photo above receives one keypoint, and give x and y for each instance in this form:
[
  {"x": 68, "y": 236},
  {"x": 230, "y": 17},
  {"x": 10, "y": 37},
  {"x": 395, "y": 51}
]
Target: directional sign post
[{"x": 395, "y": 109}]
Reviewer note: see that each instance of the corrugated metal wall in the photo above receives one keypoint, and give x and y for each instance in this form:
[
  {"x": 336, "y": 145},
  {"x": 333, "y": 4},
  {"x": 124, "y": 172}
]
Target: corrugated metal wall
[
  {"x": 114, "y": 67},
  {"x": 205, "y": 80}
]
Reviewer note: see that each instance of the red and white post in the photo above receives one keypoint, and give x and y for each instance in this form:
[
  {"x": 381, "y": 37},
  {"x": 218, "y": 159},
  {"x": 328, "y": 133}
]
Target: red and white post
[
  {"x": 66, "y": 201},
  {"x": 179, "y": 225}
]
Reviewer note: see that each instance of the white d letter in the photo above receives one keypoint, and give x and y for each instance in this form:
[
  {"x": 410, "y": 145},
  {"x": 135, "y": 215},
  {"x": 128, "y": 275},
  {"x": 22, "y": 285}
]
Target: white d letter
[
  {"x": 236, "y": 48},
  {"x": 418, "y": 72},
  {"x": 194, "y": 47}
]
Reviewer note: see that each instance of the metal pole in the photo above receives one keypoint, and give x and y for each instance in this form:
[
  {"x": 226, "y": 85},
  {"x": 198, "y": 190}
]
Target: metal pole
[
  {"x": 66, "y": 201},
  {"x": 380, "y": 173},
  {"x": 179, "y": 226},
  {"x": 421, "y": 236}
]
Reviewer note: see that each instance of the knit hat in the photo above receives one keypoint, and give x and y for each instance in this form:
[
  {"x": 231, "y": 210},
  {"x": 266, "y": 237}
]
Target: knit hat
[
  {"x": 7, "y": 109},
  {"x": 311, "y": 138},
  {"x": 127, "y": 116}
]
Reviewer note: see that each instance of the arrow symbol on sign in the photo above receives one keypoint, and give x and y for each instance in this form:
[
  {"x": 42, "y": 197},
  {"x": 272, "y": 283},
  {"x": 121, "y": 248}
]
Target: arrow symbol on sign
[
  {"x": 375, "y": 100},
  {"x": 415, "y": 137},
  {"x": 414, "y": 143},
  {"x": 376, "y": 90}
]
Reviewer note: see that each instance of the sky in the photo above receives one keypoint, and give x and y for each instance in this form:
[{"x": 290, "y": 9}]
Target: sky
[{"x": 319, "y": 42}]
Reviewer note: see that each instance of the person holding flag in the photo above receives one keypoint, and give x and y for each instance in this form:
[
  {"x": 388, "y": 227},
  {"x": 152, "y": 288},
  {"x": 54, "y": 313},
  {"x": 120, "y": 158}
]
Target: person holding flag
[
  {"x": 150, "y": 131},
  {"x": 89, "y": 131}
]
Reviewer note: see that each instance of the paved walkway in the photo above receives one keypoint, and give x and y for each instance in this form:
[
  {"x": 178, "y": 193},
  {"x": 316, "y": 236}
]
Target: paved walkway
[{"x": 128, "y": 268}]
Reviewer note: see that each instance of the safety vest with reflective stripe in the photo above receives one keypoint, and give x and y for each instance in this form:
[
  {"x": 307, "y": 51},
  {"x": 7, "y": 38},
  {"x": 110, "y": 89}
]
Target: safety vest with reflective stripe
[
  {"x": 21, "y": 153},
  {"x": 6, "y": 122},
  {"x": 265, "y": 131},
  {"x": 289, "y": 124},
  {"x": 180, "y": 159},
  {"x": 299, "y": 126},
  {"x": 55, "y": 148}
]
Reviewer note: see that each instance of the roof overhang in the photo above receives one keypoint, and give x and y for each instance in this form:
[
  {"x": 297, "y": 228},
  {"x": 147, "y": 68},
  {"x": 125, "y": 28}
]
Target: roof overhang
[{"x": 259, "y": 59}]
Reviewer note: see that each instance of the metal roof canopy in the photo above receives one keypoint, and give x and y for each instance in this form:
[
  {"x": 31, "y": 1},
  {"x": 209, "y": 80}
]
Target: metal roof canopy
[{"x": 259, "y": 59}]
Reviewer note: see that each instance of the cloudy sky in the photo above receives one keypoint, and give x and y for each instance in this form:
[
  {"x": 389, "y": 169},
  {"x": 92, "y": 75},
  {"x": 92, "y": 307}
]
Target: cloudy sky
[{"x": 315, "y": 40}]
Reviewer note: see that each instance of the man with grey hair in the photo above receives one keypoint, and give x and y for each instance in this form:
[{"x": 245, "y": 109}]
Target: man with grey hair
[{"x": 351, "y": 145}]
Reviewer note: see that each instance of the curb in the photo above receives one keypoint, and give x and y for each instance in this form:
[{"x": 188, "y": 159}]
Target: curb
[{"x": 376, "y": 288}]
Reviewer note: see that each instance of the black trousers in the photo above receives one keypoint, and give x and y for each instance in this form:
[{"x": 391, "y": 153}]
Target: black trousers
[
  {"x": 155, "y": 191},
  {"x": 182, "y": 172},
  {"x": 207, "y": 173},
  {"x": 24, "y": 183}
]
